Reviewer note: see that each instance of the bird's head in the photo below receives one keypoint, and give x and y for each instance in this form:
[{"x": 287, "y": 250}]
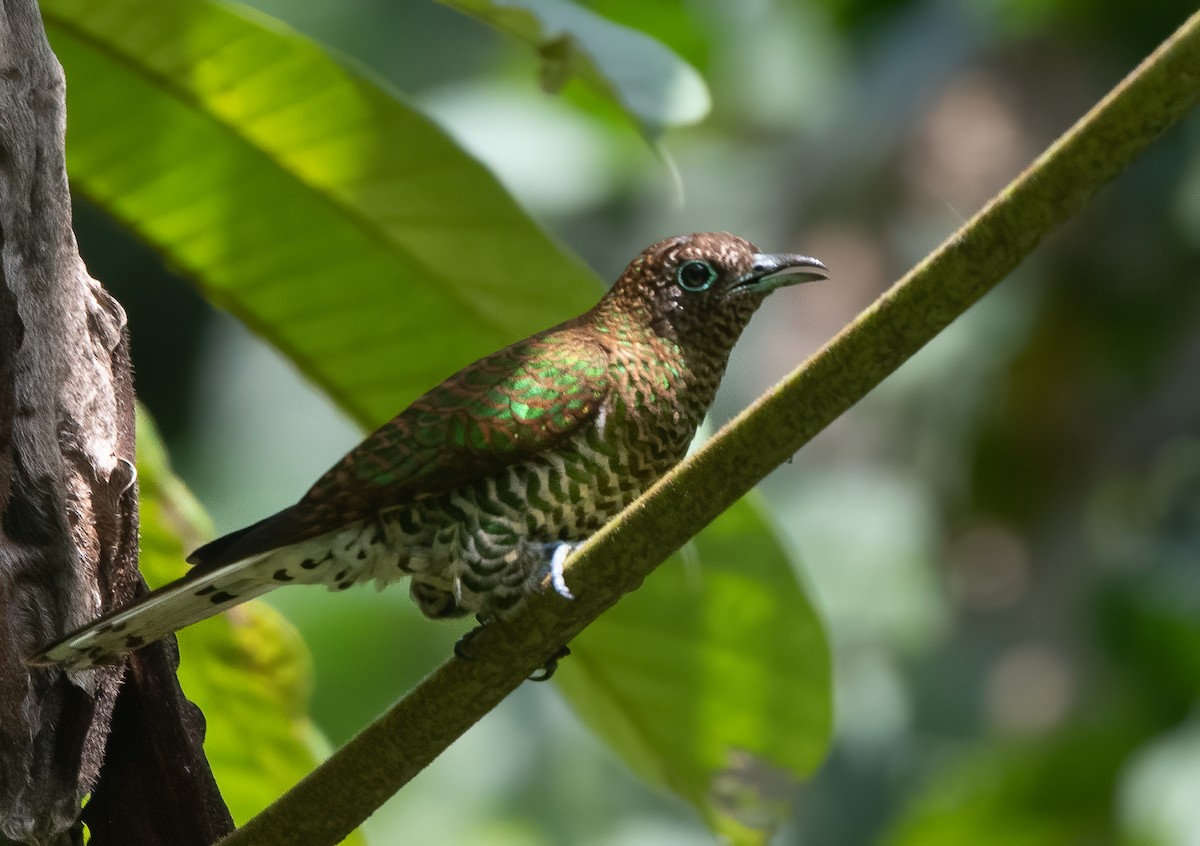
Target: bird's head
[{"x": 705, "y": 287}]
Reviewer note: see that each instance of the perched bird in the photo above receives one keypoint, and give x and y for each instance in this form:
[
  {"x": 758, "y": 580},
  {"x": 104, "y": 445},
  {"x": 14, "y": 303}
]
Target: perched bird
[{"x": 478, "y": 489}]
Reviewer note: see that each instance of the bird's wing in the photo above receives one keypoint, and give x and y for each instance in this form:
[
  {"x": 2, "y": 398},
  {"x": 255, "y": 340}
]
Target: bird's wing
[{"x": 508, "y": 406}]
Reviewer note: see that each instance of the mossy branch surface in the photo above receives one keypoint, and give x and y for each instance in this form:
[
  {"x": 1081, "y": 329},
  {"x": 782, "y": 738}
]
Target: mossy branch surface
[{"x": 357, "y": 779}]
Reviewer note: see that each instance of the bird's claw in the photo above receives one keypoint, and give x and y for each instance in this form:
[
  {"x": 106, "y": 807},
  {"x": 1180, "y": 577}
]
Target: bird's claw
[
  {"x": 463, "y": 652},
  {"x": 544, "y": 672},
  {"x": 462, "y": 645}
]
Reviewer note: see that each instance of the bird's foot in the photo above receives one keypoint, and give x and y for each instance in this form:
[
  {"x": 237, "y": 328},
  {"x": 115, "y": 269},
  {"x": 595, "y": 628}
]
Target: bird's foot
[
  {"x": 463, "y": 652},
  {"x": 558, "y": 553},
  {"x": 547, "y": 670},
  {"x": 462, "y": 646}
]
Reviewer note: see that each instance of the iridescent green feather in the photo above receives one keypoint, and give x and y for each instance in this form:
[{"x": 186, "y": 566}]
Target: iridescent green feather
[{"x": 513, "y": 404}]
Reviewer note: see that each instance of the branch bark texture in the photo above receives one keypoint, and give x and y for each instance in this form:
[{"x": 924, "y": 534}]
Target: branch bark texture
[{"x": 334, "y": 799}]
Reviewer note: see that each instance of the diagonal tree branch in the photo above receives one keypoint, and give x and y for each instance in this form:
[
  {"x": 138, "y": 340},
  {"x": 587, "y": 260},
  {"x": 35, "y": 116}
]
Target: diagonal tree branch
[{"x": 339, "y": 795}]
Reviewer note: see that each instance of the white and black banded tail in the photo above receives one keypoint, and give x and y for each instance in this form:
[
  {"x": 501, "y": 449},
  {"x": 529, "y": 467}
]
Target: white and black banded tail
[
  {"x": 240, "y": 566},
  {"x": 198, "y": 595},
  {"x": 233, "y": 568}
]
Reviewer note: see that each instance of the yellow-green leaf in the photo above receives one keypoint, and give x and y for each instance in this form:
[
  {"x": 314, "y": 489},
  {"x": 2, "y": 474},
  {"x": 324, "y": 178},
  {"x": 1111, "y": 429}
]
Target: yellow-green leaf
[{"x": 336, "y": 220}]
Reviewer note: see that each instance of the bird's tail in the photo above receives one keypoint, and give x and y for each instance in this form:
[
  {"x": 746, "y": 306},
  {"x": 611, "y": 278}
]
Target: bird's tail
[{"x": 200, "y": 594}]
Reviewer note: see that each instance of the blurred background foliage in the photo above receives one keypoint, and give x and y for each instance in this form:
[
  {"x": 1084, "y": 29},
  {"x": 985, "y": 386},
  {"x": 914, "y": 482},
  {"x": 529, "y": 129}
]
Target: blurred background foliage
[{"x": 1002, "y": 539}]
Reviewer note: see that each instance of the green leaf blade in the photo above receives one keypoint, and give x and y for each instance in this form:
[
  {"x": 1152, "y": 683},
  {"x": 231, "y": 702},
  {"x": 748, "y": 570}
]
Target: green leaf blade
[
  {"x": 302, "y": 213},
  {"x": 712, "y": 681}
]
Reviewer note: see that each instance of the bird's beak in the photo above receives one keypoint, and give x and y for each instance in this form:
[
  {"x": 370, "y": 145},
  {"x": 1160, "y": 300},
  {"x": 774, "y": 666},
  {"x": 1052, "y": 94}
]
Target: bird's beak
[{"x": 771, "y": 271}]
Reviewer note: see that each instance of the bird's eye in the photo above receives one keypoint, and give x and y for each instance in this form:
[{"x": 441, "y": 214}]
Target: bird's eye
[{"x": 696, "y": 275}]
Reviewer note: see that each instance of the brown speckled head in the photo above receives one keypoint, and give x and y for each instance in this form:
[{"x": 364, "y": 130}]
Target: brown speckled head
[{"x": 705, "y": 285}]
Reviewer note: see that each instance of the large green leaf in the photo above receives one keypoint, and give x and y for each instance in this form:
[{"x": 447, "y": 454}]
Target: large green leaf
[
  {"x": 247, "y": 670},
  {"x": 712, "y": 679},
  {"x": 652, "y": 84},
  {"x": 333, "y": 218}
]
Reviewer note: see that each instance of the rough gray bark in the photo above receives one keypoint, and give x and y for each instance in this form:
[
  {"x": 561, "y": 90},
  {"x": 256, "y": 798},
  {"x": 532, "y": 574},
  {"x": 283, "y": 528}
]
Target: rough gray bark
[
  {"x": 68, "y": 513},
  {"x": 68, "y": 500}
]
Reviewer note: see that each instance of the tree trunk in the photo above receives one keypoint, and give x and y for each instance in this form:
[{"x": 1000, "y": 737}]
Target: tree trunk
[{"x": 68, "y": 513}]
